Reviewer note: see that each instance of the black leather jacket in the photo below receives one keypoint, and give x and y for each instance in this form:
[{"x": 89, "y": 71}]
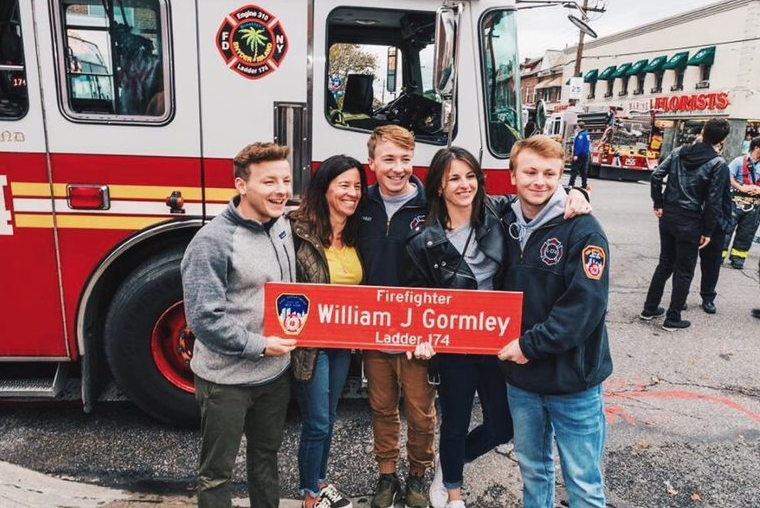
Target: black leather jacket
[
  {"x": 696, "y": 178},
  {"x": 431, "y": 260}
]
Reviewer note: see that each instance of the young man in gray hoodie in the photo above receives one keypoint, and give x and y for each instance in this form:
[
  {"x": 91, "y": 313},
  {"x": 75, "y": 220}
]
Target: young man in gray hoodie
[{"x": 241, "y": 377}]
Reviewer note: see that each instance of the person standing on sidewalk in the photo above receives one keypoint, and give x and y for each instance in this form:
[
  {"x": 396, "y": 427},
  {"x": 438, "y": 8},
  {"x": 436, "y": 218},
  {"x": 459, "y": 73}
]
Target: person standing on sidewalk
[
  {"x": 395, "y": 205},
  {"x": 688, "y": 209},
  {"x": 581, "y": 154},
  {"x": 555, "y": 369},
  {"x": 325, "y": 229},
  {"x": 242, "y": 381},
  {"x": 745, "y": 172}
]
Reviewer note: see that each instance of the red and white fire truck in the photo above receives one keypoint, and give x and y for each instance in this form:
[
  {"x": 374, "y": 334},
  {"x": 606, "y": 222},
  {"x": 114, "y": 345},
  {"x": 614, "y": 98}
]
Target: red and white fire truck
[{"x": 118, "y": 123}]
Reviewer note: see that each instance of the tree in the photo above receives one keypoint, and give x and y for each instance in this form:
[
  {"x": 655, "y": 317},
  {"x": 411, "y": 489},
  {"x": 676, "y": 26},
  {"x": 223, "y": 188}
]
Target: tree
[
  {"x": 254, "y": 37},
  {"x": 348, "y": 59}
]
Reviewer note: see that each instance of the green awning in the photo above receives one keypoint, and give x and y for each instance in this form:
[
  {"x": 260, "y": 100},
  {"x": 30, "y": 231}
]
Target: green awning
[
  {"x": 591, "y": 76},
  {"x": 656, "y": 64},
  {"x": 638, "y": 67},
  {"x": 622, "y": 70},
  {"x": 677, "y": 61},
  {"x": 607, "y": 73},
  {"x": 705, "y": 56}
]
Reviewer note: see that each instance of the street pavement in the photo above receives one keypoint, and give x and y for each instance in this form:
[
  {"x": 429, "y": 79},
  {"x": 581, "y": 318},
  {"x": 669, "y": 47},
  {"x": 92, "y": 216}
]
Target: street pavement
[{"x": 683, "y": 411}]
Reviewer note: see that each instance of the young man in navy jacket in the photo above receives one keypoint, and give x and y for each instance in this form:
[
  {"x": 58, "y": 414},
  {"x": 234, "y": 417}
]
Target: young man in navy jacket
[{"x": 555, "y": 369}]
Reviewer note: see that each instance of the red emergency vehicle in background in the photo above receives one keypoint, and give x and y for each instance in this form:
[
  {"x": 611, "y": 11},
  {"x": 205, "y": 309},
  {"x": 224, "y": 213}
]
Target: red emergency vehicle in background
[{"x": 118, "y": 123}]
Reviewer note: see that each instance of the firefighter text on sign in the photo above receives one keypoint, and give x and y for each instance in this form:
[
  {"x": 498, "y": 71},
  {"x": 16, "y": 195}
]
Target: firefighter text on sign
[
  {"x": 384, "y": 318},
  {"x": 5, "y": 214}
]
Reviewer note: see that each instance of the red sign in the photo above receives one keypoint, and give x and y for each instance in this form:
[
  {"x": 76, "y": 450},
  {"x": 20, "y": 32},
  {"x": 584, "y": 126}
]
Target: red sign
[
  {"x": 389, "y": 318},
  {"x": 694, "y": 102}
]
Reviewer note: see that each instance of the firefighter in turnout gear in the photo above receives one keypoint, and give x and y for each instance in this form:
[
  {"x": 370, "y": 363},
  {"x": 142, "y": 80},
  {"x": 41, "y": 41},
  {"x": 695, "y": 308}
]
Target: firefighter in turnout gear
[{"x": 745, "y": 171}]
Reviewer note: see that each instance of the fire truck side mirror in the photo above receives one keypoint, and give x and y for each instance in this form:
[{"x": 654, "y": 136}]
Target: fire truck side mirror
[{"x": 444, "y": 70}]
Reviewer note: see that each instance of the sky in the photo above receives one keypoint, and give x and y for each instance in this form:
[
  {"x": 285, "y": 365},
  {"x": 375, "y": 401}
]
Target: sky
[{"x": 548, "y": 27}]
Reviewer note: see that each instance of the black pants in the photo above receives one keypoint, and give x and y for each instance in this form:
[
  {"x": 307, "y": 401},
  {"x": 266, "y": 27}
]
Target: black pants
[
  {"x": 579, "y": 165},
  {"x": 461, "y": 377},
  {"x": 710, "y": 259},
  {"x": 745, "y": 223},
  {"x": 679, "y": 245}
]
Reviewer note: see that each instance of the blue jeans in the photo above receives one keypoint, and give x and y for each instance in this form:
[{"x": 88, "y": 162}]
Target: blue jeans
[
  {"x": 318, "y": 402},
  {"x": 461, "y": 377},
  {"x": 578, "y": 424}
]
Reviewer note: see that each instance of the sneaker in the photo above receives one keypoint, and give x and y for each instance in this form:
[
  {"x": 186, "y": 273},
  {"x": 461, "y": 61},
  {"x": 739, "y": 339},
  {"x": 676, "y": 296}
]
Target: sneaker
[
  {"x": 736, "y": 264},
  {"x": 646, "y": 315},
  {"x": 415, "y": 492},
  {"x": 333, "y": 497},
  {"x": 709, "y": 307},
  {"x": 387, "y": 490},
  {"x": 455, "y": 504},
  {"x": 672, "y": 325},
  {"x": 438, "y": 493}
]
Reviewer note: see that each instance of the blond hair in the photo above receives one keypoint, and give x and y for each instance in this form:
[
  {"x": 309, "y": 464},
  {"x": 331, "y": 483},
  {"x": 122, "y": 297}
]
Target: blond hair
[
  {"x": 393, "y": 133},
  {"x": 256, "y": 153},
  {"x": 540, "y": 144}
]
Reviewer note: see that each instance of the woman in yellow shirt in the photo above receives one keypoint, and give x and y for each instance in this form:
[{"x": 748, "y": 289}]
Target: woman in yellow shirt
[{"x": 324, "y": 228}]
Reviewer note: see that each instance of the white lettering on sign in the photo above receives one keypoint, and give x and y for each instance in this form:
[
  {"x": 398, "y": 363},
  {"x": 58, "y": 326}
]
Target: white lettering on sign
[{"x": 5, "y": 213}]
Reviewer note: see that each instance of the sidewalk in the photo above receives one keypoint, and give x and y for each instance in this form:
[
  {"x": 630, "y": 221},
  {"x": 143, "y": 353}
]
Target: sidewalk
[{"x": 23, "y": 488}]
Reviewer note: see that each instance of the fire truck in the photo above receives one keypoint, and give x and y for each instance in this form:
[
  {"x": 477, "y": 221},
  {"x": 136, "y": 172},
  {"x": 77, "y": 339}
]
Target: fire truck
[{"x": 118, "y": 123}]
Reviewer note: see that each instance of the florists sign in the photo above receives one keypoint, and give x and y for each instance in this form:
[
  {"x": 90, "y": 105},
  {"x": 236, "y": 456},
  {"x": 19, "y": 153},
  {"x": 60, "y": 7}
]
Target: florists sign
[{"x": 386, "y": 318}]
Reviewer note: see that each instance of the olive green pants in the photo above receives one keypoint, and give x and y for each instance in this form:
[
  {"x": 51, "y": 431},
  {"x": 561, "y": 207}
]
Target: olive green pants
[{"x": 228, "y": 411}]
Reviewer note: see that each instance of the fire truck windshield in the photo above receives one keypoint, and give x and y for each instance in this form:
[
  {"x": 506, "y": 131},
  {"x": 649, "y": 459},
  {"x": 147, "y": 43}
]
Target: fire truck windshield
[{"x": 501, "y": 80}]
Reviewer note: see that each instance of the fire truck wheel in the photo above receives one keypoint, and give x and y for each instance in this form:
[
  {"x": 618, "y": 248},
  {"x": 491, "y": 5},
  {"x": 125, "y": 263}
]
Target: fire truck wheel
[{"x": 148, "y": 345}]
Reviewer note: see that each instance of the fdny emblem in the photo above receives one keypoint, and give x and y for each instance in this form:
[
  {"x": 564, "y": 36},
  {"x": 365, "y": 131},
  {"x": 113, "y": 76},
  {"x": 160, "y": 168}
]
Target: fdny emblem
[
  {"x": 594, "y": 259},
  {"x": 551, "y": 251},
  {"x": 417, "y": 222},
  {"x": 292, "y": 312},
  {"x": 252, "y": 42}
]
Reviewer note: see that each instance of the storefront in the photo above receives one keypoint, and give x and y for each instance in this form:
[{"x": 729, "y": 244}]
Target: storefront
[{"x": 679, "y": 72}]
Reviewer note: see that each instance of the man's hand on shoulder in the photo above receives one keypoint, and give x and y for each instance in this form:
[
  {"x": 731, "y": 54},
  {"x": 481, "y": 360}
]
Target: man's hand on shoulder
[
  {"x": 577, "y": 204},
  {"x": 277, "y": 346}
]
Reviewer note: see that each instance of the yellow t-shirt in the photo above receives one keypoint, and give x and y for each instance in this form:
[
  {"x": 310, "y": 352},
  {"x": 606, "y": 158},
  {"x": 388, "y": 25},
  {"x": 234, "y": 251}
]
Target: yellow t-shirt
[{"x": 344, "y": 264}]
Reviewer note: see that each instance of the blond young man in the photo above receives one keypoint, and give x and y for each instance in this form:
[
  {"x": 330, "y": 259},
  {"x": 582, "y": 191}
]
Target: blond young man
[
  {"x": 395, "y": 205},
  {"x": 554, "y": 371}
]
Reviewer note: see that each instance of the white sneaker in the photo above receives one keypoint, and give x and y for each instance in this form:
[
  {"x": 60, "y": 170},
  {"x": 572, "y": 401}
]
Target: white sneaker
[
  {"x": 455, "y": 504},
  {"x": 330, "y": 497},
  {"x": 438, "y": 494}
]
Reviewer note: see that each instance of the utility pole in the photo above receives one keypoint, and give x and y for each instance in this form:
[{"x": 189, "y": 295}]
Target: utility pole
[{"x": 579, "y": 52}]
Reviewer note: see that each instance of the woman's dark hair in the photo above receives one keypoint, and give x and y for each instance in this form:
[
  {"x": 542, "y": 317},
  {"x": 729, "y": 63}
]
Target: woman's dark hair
[
  {"x": 439, "y": 168},
  {"x": 314, "y": 209}
]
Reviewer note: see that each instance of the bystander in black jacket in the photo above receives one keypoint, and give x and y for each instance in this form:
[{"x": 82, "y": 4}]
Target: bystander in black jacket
[{"x": 696, "y": 180}]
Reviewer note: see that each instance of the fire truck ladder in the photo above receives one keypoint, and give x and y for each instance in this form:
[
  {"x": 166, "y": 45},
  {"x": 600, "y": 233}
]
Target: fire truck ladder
[{"x": 35, "y": 387}]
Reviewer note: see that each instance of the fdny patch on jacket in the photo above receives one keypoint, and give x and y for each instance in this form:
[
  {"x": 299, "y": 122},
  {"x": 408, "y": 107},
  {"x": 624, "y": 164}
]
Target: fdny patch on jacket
[
  {"x": 551, "y": 251},
  {"x": 594, "y": 259}
]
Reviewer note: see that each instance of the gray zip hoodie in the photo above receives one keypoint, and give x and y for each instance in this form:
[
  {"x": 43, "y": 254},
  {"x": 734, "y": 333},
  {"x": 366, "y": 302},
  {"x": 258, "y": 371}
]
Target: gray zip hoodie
[
  {"x": 521, "y": 230},
  {"x": 223, "y": 274}
]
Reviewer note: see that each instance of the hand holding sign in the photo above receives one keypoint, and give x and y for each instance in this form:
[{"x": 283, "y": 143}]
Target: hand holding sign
[{"x": 277, "y": 346}]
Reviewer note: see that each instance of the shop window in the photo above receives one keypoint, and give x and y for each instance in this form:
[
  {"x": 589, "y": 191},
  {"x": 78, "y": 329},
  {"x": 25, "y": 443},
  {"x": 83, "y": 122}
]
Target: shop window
[
  {"x": 640, "y": 78},
  {"x": 501, "y": 80},
  {"x": 14, "y": 100},
  {"x": 610, "y": 86},
  {"x": 387, "y": 81},
  {"x": 678, "y": 81},
  {"x": 624, "y": 90},
  {"x": 114, "y": 62},
  {"x": 591, "y": 90},
  {"x": 658, "y": 76}
]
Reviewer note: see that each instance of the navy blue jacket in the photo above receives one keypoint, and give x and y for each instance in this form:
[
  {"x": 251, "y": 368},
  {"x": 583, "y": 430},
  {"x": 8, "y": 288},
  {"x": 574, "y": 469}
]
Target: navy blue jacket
[
  {"x": 564, "y": 275},
  {"x": 582, "y": 144},
  {"x": 382, "y": 242}
]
